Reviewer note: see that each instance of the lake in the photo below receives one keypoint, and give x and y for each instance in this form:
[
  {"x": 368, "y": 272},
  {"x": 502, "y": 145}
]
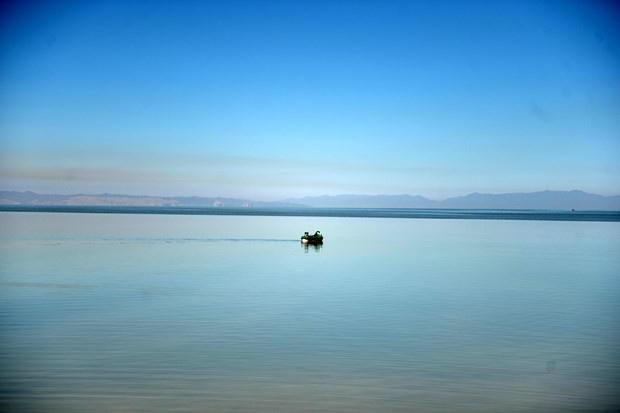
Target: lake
[{"x": 210, "y": 313}]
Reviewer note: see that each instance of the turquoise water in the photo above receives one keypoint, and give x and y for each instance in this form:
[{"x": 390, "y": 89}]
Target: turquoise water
[{"x": 194, "y": 313}]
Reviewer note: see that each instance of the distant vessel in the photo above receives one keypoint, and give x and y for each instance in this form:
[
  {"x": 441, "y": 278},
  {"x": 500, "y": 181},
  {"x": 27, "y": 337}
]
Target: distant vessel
[{"x": 317, "y": 238}]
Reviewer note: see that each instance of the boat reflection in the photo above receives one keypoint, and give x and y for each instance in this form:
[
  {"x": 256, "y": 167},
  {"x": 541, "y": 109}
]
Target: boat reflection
[{"x": 311, "y": 247}]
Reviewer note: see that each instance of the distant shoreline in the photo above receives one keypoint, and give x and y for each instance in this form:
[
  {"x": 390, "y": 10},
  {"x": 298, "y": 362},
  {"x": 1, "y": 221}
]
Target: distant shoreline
[
  {"x": 540, "y": 201},
  {"x": 407, "y": 213}
]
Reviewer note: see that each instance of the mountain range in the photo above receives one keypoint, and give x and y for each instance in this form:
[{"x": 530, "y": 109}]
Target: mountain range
[
  {"x": 32, "y": 198},
  {"x": 543, "y": 200}
]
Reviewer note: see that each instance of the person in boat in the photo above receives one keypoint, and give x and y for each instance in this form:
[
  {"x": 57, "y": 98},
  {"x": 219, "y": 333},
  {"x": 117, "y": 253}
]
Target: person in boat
[{"x": 317, "y": 234}]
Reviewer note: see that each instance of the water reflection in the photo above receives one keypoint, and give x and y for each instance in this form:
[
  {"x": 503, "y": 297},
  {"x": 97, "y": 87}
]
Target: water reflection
[
  {"x": 311, "y": 247},
  {"x": 149, "y": 315}
]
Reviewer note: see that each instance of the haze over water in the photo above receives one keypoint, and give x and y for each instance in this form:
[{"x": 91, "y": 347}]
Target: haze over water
[{"x": 159, "y": 313}]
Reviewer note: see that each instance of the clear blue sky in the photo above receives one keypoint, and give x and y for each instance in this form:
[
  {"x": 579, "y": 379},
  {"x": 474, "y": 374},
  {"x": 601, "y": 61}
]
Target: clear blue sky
[{"x": 271, "y": 99}]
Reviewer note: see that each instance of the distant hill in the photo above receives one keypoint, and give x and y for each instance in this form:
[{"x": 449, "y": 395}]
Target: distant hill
[
  {"x": 544, "y": 200},
  {"x": 553, "y": 200},
  {"x": 31, "y": 198},
  {"x": 366, "y": 201}
]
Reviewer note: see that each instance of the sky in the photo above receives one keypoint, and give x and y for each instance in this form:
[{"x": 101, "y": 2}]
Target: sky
[{"x": 267, "y": 100}]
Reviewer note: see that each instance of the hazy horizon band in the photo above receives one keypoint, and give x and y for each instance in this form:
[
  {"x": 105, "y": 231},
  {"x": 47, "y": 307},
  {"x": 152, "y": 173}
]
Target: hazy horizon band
[{"x": 412, "y": 213}]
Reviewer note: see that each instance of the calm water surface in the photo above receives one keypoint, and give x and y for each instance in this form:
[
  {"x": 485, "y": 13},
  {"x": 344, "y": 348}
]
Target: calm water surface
[{"x": 161, "y": 313}]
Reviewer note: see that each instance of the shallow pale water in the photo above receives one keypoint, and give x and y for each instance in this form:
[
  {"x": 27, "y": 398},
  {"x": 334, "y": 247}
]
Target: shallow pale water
[{"x": 160, "y": 313}]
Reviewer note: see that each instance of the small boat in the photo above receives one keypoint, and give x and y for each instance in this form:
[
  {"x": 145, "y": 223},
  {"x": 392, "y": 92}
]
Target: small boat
[{"x": 317, "y": 238}]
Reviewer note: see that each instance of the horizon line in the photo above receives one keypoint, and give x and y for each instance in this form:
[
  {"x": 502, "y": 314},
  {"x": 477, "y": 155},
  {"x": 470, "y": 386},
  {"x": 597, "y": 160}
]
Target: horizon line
[{"x": 306, "y": 196}]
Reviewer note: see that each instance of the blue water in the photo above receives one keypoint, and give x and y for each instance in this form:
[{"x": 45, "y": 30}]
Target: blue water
[
  {"x": 431, "y": 213},
  {"x": 206, "y": 313}
]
